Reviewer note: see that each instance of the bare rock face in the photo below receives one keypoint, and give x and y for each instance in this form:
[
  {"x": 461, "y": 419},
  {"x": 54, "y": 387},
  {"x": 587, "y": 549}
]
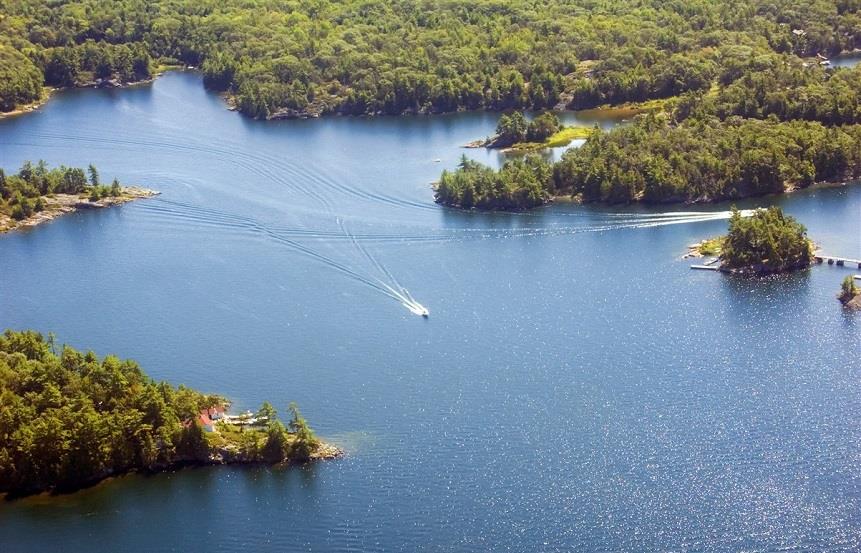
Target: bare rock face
[{"x": 854, "y": 303}]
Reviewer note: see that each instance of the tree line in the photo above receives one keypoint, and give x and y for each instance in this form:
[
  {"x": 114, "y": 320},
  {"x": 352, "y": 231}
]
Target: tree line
[
  {"x": 24, "y": 193},
  {"x": 382, "y": 56},
  {"x": 659, "y": 159},
  {"x": 69, "y": 418}
]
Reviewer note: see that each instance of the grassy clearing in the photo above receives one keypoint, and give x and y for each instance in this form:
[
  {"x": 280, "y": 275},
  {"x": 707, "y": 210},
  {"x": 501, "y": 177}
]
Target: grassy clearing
[
  {"x": 561, "y": 138},
  {"x": 710, "y": 246}
]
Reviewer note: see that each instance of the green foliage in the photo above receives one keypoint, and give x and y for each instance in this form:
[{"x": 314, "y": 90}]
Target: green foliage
[
  {"x": 370, "y": 56},
  {"x": 655, "y": 160},
  {"x": 788, "y": 90},
  {"x": 83, "y": 60},
  {"x": 20, "y": 79},
  {"x": 37, "y": 180},
  {"x": 70, "y": 419},
  {"x": 543, "y": 127},
  {"x": 192, "y": 444},
  {"x": 277, "y": 446},
  {"x": 94, "y": 175},
  {"x": 766, "y": 242},
  {"x": 511, "y": 129},
  {"x": 711, "y": 246},
  {"x": 848, "y": 290},
  {"x": 25, "y": 192},
  {"x": 304, "y": 442},
  {"x": 266, "y": 412},
  {"x": 520, "y": 184}
]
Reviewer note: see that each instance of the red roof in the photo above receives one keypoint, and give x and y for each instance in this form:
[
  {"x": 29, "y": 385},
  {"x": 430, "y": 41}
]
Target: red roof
[{"x": 204, "y": 419}]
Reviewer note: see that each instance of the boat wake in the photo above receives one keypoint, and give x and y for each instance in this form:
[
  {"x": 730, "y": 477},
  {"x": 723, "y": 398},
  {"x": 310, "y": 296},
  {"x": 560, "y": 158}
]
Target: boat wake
[{"x": 393, "y": 286}]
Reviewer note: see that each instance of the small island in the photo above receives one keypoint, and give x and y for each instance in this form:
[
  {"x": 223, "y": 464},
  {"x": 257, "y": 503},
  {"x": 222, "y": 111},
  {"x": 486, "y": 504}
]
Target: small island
[
  {"x": 850, "y": 294},
  {"x": 515, "y": 134},
  {"x": 37, "y": 194},
  {"x": 766, "y": 242},
  {"x": 70, "y": 419}
]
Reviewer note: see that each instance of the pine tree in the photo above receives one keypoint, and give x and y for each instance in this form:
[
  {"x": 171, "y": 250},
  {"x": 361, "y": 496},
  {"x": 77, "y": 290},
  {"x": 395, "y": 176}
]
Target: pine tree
[{"x": 94, "y": 175}]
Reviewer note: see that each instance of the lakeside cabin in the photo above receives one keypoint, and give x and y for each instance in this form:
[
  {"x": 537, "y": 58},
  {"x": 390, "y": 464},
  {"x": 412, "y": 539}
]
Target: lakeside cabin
[{"x": 207, "y": 418}]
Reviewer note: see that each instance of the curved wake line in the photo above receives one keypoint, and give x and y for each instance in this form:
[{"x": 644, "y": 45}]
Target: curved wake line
[
  {"x": 387, "y": 283},
  {"x": 402, "y": 293},
  {"x": 252, "y": 163},
  {"x": 211, "y": 217}
]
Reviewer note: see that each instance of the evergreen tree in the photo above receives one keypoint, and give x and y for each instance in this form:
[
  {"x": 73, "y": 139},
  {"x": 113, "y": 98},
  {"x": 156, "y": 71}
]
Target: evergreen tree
[{"x": 94, "y": 175}]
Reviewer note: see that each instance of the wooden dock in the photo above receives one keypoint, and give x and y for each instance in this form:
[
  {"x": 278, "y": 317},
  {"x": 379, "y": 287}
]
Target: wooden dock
[{"x": 839, "y": 261}]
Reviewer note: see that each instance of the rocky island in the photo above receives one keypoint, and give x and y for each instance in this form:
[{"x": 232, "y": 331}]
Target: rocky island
[
  {"x": 37, "y": 194},
  {"x": 850, "y": 293},
  {"x": 70, "y": 419}
]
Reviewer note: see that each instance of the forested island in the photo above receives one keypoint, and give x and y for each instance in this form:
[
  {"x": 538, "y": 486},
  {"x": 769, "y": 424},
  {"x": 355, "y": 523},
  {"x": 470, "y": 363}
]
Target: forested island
[
  {"x": 850, "y": 293},
  {"x": 37, "y": 193},
  {"x": 765, "y": 242},
  {"x": 70, "y": 419},
  {"x": 279, "y": 59}
]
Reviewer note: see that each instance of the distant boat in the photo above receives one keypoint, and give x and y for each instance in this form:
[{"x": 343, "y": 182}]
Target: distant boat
[
  {"x": 437, "y": 160},
  {"x": 424, "y": 312}
]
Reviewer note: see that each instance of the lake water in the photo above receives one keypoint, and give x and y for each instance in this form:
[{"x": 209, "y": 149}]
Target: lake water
[
  {"x": 576, "y": 388},
  {"x": 850, "y": 59}
]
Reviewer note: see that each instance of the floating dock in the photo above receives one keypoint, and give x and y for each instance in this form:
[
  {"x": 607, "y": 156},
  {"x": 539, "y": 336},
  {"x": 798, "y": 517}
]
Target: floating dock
[
  {"x": 705, "y": 267},
  {"x": 839, "y": 261}
]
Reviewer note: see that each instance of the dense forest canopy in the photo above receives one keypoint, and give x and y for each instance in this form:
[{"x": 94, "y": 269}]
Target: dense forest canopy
[
  {"x": 369, "y": 56},
  {"x": 657, "y": 159},
  {"x": 69, "y": 418},
  {"x": 519, "y": 184},
  {"x": 766, "y": 242}
]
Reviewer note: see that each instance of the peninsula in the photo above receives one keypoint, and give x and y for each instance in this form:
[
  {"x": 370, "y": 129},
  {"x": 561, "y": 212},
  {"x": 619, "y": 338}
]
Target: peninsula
[
  {"x": 37, "y": 194},
  {"x": 70, "y": 419},
  {"x": 678, "y": 156}
]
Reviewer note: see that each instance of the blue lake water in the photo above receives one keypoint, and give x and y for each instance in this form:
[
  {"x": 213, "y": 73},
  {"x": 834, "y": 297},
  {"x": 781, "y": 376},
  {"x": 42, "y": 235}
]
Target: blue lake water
[
  {"x": 576, "y": 388},
  {"x": 850, "y": 59}
]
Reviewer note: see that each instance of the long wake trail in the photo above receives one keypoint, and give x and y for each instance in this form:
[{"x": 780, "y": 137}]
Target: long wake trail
[{"x": 395, "y": 287}]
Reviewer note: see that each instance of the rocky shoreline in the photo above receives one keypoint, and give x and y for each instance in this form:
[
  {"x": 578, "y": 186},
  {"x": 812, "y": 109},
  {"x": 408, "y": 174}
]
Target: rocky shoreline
[
  {"x": 58, "y": 205},
  {"x": 220, "y": 457},
  {"x": 854, "y": 303}
]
